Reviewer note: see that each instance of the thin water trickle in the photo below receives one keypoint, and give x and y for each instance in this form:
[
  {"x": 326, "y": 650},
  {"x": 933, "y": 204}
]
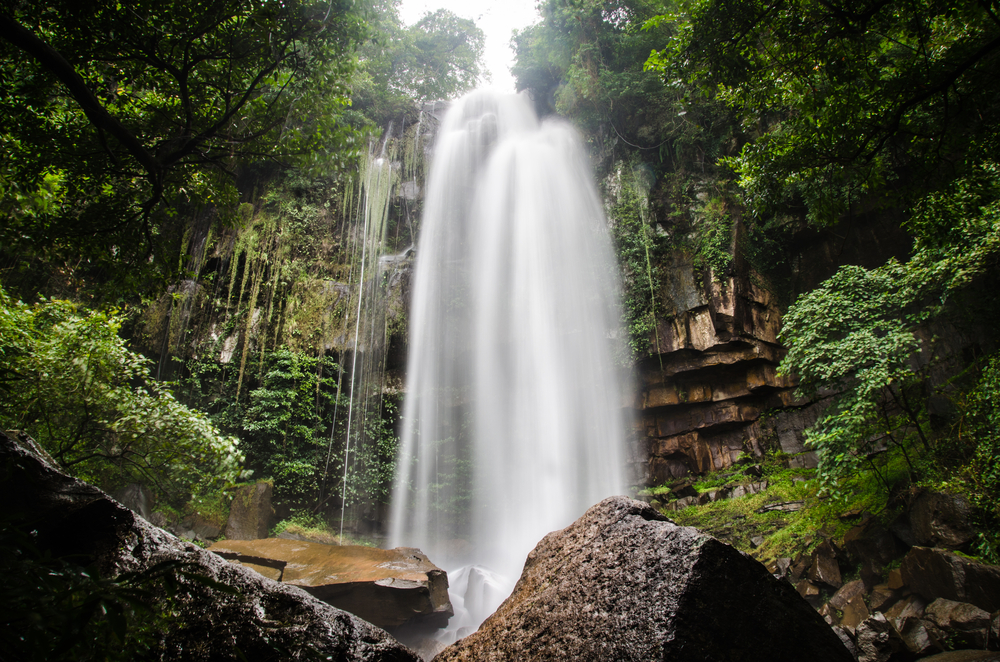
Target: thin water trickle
[{"x": 513, "y": 418}]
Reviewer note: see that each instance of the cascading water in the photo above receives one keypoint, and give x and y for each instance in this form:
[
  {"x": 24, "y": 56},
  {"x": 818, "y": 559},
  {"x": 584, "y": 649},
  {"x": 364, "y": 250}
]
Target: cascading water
[{"x": 514, "y": 423}]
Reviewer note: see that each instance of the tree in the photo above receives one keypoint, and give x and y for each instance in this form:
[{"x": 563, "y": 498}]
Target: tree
[
  {"x": 135, "y": 112},
  {"x": 437, "y": 58},
  {"x": 69, "y": 381},
  {"x": 857, "y": 333},
  {"x": 847, "y": 101}
]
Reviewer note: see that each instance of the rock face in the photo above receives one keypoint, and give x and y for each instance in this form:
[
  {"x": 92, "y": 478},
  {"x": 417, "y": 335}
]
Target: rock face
[
  {"x": 250, "y": 512},
  {"x": 624, "y": 583},
  {"x": 262, "y": 620},
  {"x": 386, "y": 587}
]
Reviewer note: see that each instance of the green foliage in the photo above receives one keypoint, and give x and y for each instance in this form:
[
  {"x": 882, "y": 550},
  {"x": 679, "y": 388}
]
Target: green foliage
[
  {"x": 117, "y": 122},
  {"x": 439, "y": 57},
  {"x": 280, "y": 417},
  {"x": 856, "y": 332},
  {"x": 843, "y": 99},
  {"x": 69, "y": 381}
]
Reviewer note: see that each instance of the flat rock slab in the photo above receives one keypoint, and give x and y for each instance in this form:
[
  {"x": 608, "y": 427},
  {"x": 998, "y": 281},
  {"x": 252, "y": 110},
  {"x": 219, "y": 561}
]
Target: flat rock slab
[
  {"x": 386, "y": 587},
  {"x": 624, "y": 583},
  {"x": 257, "y": 619}
]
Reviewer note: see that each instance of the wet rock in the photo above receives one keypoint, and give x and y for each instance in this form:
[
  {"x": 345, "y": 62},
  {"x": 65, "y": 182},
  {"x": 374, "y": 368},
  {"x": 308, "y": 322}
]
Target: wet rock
[
  {"x": 963, "y": 656},
  {"x": 936, "y": 573},
  {"x": 386, "y": 587},
  {"x": 962, "y": 624},
  {"x": 940, "y": 520},
  {"x": 882, "y": 597},
  {"x": 829, "y": 614},
  {"x": 871, "y": 541},
  {"x": 262, "y": 618},
  {"x": 895, "y": 580},
  {"x": 809, "y": 592},
  {"x": 909, "y": 607},
  {"x": 622, "y": 582},
  {"x": 846, "y": 593},
  {"x": 824, "y": 568},
  {"x": 855, "y": 613},
  {"x": 874, "y": 640},
  {"x": 250, "y": 512},
  {"x": 785, "y": 507}
]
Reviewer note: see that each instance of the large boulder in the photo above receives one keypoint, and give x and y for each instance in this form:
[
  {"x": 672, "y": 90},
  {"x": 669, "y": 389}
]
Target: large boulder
[
  {"x": 255, "y": 618},
  {"x": 387, "y": 587},
  {"x": 625, "y": 583},
  {"x": 937, "y": 573},
  {"x": 250, "y": 512}
]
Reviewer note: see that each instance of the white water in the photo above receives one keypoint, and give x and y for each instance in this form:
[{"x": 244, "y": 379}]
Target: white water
[{"x": 513, "y": 415}]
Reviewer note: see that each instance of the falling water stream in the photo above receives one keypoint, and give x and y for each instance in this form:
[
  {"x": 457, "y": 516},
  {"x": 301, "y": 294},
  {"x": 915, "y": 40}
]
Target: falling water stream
[{"x": 513, "y": 416}]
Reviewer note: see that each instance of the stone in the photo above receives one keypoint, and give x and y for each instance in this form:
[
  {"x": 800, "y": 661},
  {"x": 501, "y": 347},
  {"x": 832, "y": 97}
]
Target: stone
[
  {"x": 623, "y": 583},
  {"x": 908, "y": 608},
  {"x": 824, "y": 568},
  {"x": 386, "y": 587},
  {"x": 882, "y": 597},
  {"x": 846, "y": 593},
  {"x": 261, "y": 617},
  {"x": 871, "y": 541},
  {"x": 785, "y": 507},
  {"x": 937, "y": 573},
  {"x": 895, "y": 580},
  {"x": 829, "y": 614},
  {"x": 963, "y": 656},
  {"x": 874, "y": 640},
  {"x": 250, "y": 512},
  {"x": 855, "y": 613},
  {"x": 963, "y": 624},
  {"x": 941, "y": 520}
]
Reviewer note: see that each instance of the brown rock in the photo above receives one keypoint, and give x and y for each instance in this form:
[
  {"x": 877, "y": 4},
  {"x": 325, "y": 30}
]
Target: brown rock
[
  {"x": 882, "y": 597},
  {"x": 250, "y": 512},
  {"x": 259, "y": 617},
  {"x": 385, "y": 587},
  {"x": 871, "y": 541},
  {"x": 963, "y": 624},
  {"x": 874, "y": 640},
  {"x": 829, "y": 614},
  {"x": 855, "y": 612},
  {"x": 909, "y": 607},
  {"x": 895, "y": 580},
  {"x": 622, "y": 583},
  {"x": 846, "y": 593},
  {"x": 937, "y": 573},
  {"x": 940, "y": 520},
  {"x": 824, "y": 568}
]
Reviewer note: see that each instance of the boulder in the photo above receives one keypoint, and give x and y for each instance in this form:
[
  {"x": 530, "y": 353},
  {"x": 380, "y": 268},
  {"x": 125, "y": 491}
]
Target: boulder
[
  {"x": 940, "y": 520},
  {"x": 960, "y": 623},
  {"x": 874, "y": 640},
  {"x": 255, "y": 618},
  {"x": 963, "y": 656},
  {"x": 386, "y": 587},
  {"x": 250, "y": 512},
  {"x": 824, "y": 568},
  {"x": 625, "y": 583},
  {"x": 937, "y": 573},
  {"x": 872, "y": 541}
]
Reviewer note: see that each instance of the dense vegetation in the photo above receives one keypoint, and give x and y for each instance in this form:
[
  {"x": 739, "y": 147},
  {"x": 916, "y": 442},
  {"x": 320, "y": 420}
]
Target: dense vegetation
[
  {"x": 726, "y": 132},
  {"x": 186, "y": 180}
]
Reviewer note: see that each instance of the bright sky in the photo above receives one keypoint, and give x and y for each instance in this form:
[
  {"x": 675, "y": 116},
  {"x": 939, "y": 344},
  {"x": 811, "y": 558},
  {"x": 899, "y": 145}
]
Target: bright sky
[{"x": 496, "y": 18}]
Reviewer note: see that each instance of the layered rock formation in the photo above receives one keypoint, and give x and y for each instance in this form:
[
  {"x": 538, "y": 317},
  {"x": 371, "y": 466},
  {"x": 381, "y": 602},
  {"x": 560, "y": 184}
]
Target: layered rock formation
[
  {"x": 387, "y": 587},
  {"x": 254, "y": 618},
  {"x": 624, "y": 583}
]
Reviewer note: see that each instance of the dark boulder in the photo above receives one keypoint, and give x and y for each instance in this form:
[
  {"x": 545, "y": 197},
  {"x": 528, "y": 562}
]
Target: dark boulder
[
  {"x": 255, "y": 618},
  {"x": 937, "y": 573},
  {"x": 625, "y": 583},
  {"x": 250, "y": 512}
]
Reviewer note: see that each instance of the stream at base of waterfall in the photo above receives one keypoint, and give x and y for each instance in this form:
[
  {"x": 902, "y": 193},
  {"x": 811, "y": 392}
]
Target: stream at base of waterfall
[{"x": 513, "y": 419}]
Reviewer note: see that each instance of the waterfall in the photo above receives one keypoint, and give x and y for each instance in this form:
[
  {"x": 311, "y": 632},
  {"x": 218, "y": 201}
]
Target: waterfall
[{"x": 513, "y": 416}]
